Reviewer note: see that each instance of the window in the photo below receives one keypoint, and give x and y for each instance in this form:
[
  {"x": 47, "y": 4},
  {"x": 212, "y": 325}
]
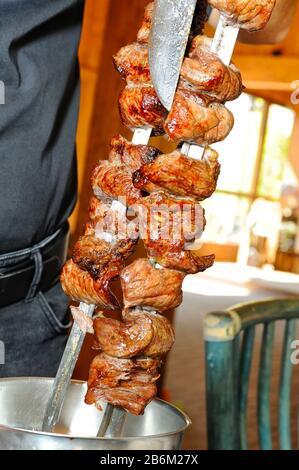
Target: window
[{"x": 254, "y": 161}]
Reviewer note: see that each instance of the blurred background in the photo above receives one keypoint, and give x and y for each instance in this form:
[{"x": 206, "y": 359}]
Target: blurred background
[{"x": 252, "y": 220}]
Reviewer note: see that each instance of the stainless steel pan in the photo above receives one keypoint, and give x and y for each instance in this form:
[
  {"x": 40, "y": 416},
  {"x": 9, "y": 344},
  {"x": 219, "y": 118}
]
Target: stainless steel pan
[{"x": 22, "y": 407}]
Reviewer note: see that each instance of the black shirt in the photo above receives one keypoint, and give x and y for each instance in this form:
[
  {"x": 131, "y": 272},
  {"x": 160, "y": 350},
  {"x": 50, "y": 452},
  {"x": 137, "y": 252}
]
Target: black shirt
[{"x": 39, "y": 69}]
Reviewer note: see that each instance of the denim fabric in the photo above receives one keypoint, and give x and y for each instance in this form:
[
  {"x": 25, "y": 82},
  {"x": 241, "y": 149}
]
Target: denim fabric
[{"x": 33, "y": 332}]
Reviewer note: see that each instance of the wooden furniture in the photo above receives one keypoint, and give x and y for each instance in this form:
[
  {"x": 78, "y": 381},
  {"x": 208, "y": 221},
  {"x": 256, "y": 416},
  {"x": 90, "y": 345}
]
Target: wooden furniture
[
  {"x": 288, "y": 262},
  {"x": 229, "y": 343}
]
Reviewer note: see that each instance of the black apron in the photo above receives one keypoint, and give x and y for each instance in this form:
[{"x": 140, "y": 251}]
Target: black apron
[{"x": 39, "y": 70}]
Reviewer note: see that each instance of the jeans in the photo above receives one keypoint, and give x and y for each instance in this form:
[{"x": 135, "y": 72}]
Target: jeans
[{"x": 33, "y": 332}]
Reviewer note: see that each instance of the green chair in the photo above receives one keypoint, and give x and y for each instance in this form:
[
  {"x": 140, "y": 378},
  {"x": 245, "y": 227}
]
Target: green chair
[{"x": 229, "y": 344}]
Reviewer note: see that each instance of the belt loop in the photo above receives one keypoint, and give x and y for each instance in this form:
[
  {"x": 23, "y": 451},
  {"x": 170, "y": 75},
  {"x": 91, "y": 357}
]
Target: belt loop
[{"x": 38, "y": 262}]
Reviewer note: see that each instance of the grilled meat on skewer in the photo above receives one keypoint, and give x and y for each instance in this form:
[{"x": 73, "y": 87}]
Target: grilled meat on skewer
[
  {"x": 111, "y": 224},
  {"x": 188, "y": 262},
  {"x": 194, "y": 119},
  {"x": 107, "y": 217},
  {"x": 114, "y": 181},
  {"x": 123, "y": 340},
  {"x": 111, "y": 370},
  {"x": 122, "y": 382},
  {"x": 147, "y": 286},
  {"x": 168, "y": 226},
  {"x": 139, "y": 106},
  {"x": 180, "y": 175},
  {"x": 96, "y": 255},
  {"x": 133, "y": 395},
  {"x": 80, "y": 286},
  {"x": 163, "y": 217},
  {"x": 131, "y": 62},
  {"x": 142, "y": 332},
  {"x": 204, "y": 72},
  {"x": 123, "y": 152},
  {"x": 202, "y": 69},
  {"x": 170, "y": 218},
  {"x": 252, "y": 15}
]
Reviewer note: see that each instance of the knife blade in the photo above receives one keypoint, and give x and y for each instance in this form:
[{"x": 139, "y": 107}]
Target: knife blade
[
  {"x": 168, "y": 40},
  {"x": 172, "y": 20}
]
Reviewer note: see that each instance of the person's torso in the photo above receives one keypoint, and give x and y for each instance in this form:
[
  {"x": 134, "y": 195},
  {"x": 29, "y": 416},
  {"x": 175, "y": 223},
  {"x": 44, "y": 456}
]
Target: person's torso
[{"x": 39, "y": 70}]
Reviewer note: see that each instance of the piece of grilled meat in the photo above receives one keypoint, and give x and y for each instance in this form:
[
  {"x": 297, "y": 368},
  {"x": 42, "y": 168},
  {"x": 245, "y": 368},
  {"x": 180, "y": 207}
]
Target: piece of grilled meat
[
  {"x": 123, "y": 152},
  {"x": 148, "y": 286},
  {"x": 180, "y": 175},
  {"x": 203, "y": 72},
  {"x": 204, "y": 79},
  {"x": 110, "y": 222},
  {"x": 132, "y": 63},
  {"x": 140, "y": 107},
  {"x": 169, "y": 227},
  {"x": 251, "y": 15},
  {"x": 144, "y": 32},
  {"x": 189, "y": 262},
  {"x": 107, "y": 216},
  {"x": 108, "y": 180},
  {"x": 97, "y": 255},
  {"x": 128, "y": 383},
  {"x": 167, "y": 223},
  {"x": 80, "y": 286},
  {"x": 195, "y": 119},
  {"x": 139, "y": 104},
  {"x": 141, "y": 332}
]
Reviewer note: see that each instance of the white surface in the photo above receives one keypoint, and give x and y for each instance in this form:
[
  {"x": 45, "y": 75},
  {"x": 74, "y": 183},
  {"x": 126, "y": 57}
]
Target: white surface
[{"x": 236, "y": 279}]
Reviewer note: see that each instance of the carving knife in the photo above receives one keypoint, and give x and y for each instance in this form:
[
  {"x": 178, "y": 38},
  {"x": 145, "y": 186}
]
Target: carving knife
[{"x": 170, "y": 31}]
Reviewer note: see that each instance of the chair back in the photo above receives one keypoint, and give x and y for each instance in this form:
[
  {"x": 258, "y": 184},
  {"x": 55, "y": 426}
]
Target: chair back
[{"x": 229, "y": 345}]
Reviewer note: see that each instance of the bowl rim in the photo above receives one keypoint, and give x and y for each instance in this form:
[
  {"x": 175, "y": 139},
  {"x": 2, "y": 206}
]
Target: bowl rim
[{"x": 182, "y": 414}]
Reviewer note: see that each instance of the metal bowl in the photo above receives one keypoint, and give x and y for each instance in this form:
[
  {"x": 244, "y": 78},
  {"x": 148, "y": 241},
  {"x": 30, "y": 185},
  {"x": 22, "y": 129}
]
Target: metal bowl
[{"x": 22, "y": 407}]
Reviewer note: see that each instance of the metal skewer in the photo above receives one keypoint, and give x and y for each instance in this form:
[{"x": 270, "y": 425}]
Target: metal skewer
[
  {"x": 114, "y": 418},
  {"x": 113, "y": 422},
  {"x": 65, "y": 372}
]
